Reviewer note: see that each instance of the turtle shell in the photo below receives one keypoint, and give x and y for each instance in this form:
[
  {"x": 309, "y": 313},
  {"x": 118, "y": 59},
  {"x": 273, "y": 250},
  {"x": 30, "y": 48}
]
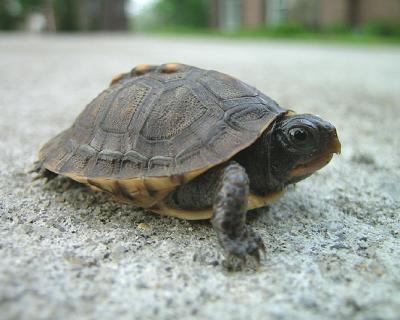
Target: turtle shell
[{"x": 159, "y": 127}]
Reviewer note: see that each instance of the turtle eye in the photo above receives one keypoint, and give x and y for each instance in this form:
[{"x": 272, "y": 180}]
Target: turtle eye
[{"x": 300, "y": 136}]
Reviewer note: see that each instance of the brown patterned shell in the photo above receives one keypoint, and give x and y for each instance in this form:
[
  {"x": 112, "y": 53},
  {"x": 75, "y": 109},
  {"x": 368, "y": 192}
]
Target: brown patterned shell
[{"x": 161, "y": 121}]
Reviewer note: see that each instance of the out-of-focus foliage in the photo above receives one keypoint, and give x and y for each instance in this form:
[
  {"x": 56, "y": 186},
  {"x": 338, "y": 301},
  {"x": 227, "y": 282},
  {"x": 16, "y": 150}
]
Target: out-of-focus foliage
[
  {"x": 174, "y": 16},
  {"x": 289, "y": 29},
  {"x": 90, "y": 15},
  {"x": 188, "y": 13},
  {"x": 66, "y": 15},
  {"x": 336, "y": 33},
  {"x": 13, "y": 12},
  {"x": 382, "y": 29},
  {"x": 8, "y": 18},
  {"x": 28, "y": 5},
  {"x": 337, "y": 29}
]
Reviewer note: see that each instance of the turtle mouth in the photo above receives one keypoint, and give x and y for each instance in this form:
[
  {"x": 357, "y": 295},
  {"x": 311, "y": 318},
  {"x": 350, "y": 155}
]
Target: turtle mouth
[{"x": 308, "y": 168}]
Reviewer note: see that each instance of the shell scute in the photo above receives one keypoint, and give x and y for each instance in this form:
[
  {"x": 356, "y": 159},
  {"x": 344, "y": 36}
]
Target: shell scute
[
  {"x": 123, "y": 106},
  {"x": 161, "y": 163},
  {"x": 133, "y": 161},
  {"x": 177, "y": 109},
  {"x": 107, "y": 162},
  {"x": 226, "y": 87}
]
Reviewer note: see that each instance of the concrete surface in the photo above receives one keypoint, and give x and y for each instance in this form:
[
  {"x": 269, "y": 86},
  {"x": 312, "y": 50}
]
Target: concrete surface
[{"x": 333, "y": 240}]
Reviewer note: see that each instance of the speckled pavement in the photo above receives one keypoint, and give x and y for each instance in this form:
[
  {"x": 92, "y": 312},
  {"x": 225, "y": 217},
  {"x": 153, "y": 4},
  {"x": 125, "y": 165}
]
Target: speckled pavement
[{"x": 333, "y": 240}]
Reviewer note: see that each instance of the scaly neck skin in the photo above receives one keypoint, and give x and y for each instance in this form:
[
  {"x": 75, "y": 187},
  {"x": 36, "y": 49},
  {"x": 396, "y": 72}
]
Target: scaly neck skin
[{"x": 256, "y": 160}]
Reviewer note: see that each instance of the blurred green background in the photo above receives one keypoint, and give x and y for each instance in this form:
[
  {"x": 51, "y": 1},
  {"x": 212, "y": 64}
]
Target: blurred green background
[{"x": 354, "y": 20}]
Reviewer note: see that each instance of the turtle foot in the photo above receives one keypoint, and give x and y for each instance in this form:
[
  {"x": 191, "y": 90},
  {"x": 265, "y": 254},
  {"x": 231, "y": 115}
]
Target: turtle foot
[{"x": 243, "y": 250}]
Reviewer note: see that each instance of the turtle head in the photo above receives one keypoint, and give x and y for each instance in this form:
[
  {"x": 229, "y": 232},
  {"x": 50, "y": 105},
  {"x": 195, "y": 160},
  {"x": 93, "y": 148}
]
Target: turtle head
[{"x": 299, "y": 146}]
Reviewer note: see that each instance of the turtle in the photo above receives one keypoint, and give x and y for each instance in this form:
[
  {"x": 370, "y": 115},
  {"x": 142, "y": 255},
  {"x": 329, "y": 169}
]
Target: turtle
[{"x": 191, "y": 143}]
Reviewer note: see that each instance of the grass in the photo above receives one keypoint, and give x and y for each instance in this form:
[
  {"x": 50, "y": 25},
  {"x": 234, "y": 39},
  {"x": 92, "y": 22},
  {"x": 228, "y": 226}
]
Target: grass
[{"x": 368, "y": 35}]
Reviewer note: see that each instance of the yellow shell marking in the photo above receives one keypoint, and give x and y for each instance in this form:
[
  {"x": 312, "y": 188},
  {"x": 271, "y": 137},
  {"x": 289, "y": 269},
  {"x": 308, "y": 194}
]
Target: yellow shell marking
[
  {"x": 141, "y": 69},
  {"x": 254, "y": 202},
  {"x": 148, "y": 192},
  {"x": 140, "y": 191},
  {"x": 116, "y": 78},
  {"x": 170, "y": 67}
]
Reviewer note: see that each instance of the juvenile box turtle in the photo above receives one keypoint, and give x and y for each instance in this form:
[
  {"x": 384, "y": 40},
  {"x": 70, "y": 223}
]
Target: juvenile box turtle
[{"x": 194, "y": 144}]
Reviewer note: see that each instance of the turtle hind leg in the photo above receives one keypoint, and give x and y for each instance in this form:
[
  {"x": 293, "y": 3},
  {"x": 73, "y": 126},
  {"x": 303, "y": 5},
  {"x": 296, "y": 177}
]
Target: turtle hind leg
[
  {"x": 237, "y": 238},
  {"x": 42, "y": 172},
  {"x": 61, "y": 183}
]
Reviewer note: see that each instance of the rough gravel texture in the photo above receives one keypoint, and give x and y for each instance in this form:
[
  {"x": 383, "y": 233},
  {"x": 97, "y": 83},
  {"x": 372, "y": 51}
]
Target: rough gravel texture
[{"x": 333, "y": 240}]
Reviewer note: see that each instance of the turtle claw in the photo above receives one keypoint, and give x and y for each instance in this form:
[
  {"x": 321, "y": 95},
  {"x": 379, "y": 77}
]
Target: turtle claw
[
  {"x": 41, "y": 172},
  {"x": 234, "y": 263},
  {"x": 35, "y": 167},
  {"x": 261, "y": 246},
  {"x": 243, "y": 250}
]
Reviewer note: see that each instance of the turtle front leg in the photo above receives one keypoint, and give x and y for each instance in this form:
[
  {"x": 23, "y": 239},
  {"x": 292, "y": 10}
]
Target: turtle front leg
[{"x": 229, "y": 219}]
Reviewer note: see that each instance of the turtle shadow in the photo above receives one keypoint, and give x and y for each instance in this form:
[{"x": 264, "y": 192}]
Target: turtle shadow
[
  {"x": 79, "y": 197},
  {"x": 75, "y": 194},
  {"x": 138, "y": 227},
  {"x": 99, "y": 208}
]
